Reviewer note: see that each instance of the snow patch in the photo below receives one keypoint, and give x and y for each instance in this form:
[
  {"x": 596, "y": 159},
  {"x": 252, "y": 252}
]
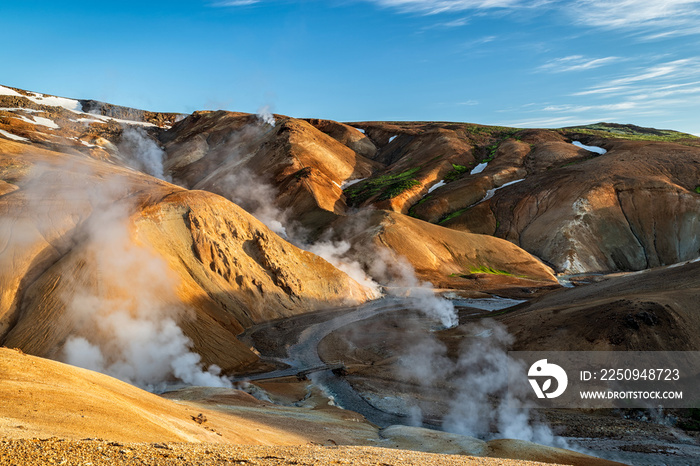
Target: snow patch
[
  {"x": 7, "y": 91},
  {"x": 479, "y": 168},
  {"x": 103, "y": 119},
  {"x": 351, "y": 182},
  {"x": 565, "y": 282},
  {"x": 392, "y": 138},
  {"x": 12, "y": 136},
  {"x": 45, "y": 122},
  {"x": 571, "y": 231},
  {"x": 436, "y": 186},
  {"x": 678, "y": 264},
  {"x": 69, "y": 104},
  {"x": 85, "y": 143},
  {"x": 360, "y": 130},
  {"x": 18, "y": 109},
  {"x": 596, "y": 149},
  {"x": 36, "y": 120},
  {"x": 491, "y": 192}
]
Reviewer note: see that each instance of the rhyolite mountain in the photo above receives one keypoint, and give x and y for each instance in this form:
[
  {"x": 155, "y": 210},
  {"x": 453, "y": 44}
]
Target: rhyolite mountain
[{"x": 468, "y": 206}]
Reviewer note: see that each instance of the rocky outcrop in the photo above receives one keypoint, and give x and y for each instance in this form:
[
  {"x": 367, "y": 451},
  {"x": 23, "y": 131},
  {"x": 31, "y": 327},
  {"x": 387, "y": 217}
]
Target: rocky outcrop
[
  {"x": 445, "y": 257},
  {"x": 633, "y": 208},
  {"x": 653, "y": 310},
  {"x": 416, "y": 157},
  {"x": 159, "y": 119},
  {"x": 348, "y": 135},
  {"x": 215, "y": 150}
]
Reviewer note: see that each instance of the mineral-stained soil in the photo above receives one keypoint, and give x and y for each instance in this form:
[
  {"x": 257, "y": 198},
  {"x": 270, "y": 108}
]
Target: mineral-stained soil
[
  {"x": 654, "y": 310},
  {"x": 96, "y": 452}
]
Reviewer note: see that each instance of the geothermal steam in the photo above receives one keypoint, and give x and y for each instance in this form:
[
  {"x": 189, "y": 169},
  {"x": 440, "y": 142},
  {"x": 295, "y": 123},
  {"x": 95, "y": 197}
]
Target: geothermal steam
[
  {"x": 141, "y": 152},
  {"x": 401, "y": 280},
  {"x": 265, "y": 115},
  {"x": 128, "y": 321},
  {"x": 123, "y": 318},
  {"x": 257, "y": 197},
  {"x": 480, "y": 402}
]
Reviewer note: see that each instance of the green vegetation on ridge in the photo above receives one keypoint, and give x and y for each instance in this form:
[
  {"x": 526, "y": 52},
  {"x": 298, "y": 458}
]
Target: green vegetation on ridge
[
  {"x": 635, "y": 133},
  {"x": 385, "y": 186},
  {"x": 456, "y": 172}
]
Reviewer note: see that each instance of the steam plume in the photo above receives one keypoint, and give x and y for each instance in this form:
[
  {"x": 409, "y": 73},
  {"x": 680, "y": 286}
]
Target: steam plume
[
  {"x": 481, "y": 404},
  {"x": 257, "y": 197},
  {"x": 128, "y": 322},
  {"x": 141, "y": 152},
  {"x": 265, "y": 115}
]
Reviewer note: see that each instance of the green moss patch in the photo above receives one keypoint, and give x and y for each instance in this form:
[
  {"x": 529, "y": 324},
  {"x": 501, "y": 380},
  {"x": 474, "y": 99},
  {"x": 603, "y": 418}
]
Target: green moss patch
[
  {"x": 489, "y": 270},
  {"x": 385, "y": 187},
  {"x": 456, "y": 172}
]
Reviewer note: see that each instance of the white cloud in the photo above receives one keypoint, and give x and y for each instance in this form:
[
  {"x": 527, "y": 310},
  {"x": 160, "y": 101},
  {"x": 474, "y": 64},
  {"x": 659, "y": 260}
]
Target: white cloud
[
  {"x": 667, "y": 75},
  {"x": 650, "y": 19},
  {"x": 459, "y": 22},
  {"x": 236, "y": 3},
  {"x": 625, "y": 105},
  {"x": 672, "y": 68},
  {"x": 576, "y": 63},
  {"x": 674, "y": 17},
  {"x": 432, "y": 7},
  {"x": 602, "y": 90},
  {"x": 550, "y": 122}
]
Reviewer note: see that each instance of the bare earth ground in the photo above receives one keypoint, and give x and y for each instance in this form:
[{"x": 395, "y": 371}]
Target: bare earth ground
[
  {"x": 52, "y": 413},
  {"x": 370, "y": 349},
  {"x": 99, "y": 452}
]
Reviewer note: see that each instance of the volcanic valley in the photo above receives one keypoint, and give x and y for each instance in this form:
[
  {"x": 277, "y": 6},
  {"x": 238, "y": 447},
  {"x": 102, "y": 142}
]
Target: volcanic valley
[{"x": 232, "y": 288}]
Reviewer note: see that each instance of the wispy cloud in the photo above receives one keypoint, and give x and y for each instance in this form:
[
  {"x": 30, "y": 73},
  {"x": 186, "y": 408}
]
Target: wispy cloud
[
  {"x": 459, "y": 22},
  {"x": 576, "y": 63},
  {"x": 548, "y": 122},
  {"x": 646, "y": 92},
  {"x": 454, "y": 23},
  {"x": 675, "y": 73},
  {"x": 480, "y": 41},
  {"x": 657, "y": 18},
  {"x": 235, "y": 3},
  {"x": 649, "y": 19},
  {"x": 626, "y": 105},
  {"x": 433, "y": 7}
]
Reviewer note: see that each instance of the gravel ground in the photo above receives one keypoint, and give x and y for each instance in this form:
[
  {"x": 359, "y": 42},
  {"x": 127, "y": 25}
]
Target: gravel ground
[{"x": 99, "y": 452}]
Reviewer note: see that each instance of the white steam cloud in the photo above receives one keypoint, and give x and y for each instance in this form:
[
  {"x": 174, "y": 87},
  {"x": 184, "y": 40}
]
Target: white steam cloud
[
  {"x": 265, "y": 115},
  {"x": 481, "y": 404},
  {"x": 335, "y": 252},
  {"x": 401, "y": 280},
  {"x": 141, "y": 152},
  {"x": 128, "y": 323},
  {"x": 257, "y": 197}
]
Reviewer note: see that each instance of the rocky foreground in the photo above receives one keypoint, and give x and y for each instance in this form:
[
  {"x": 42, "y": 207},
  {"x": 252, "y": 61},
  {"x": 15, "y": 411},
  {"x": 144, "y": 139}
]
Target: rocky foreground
[
  {"x": 96, "y": 452},
  {"x": 75, "y": 408}
]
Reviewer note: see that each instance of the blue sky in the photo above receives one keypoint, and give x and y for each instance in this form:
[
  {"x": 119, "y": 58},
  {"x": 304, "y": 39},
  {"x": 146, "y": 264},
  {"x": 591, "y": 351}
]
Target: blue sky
[{"x": 538, "y": 63}]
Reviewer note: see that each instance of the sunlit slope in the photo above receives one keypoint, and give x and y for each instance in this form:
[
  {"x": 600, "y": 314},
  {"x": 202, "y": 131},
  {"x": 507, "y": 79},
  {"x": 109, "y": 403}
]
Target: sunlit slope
[{"x": 76, "y": 229}]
